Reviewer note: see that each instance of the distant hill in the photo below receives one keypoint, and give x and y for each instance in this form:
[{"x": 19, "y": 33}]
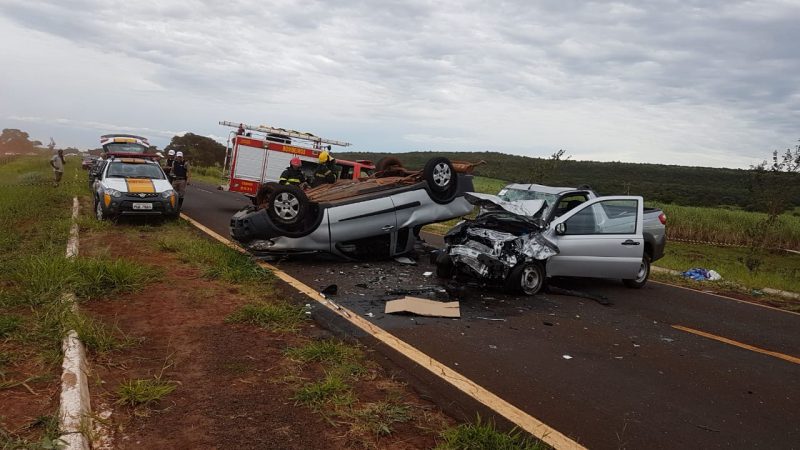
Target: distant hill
[{"x": 682, "y": 185}]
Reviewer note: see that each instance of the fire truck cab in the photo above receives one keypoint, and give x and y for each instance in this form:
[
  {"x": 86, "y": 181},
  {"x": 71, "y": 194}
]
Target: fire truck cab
[{"x": 259, "y": 154}]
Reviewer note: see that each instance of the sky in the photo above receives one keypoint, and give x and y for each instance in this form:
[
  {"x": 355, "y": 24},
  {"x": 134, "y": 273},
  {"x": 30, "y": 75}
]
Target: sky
[{"x": 704, "y": 83}]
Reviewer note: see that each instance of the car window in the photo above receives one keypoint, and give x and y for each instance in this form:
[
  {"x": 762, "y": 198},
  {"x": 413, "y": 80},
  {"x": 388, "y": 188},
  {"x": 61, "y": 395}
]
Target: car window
[
  {"x": 604, "y": 217},
  {"x": 568, "y": 203},
  {"x": 346, "y": 172},
  {"x": 134, "y": 170}
]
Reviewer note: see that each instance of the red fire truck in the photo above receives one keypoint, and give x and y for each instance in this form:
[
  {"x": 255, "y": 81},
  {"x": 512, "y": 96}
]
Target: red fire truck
[{"x": 259, "y": 154}]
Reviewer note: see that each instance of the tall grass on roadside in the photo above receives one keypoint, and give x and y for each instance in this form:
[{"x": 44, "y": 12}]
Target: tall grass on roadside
[
  {"x": 216, "y": 260},
  {"x": 485, "y": 436},
  {"x": 726, "y": 226},
  {"x": 276, "y": 316}
]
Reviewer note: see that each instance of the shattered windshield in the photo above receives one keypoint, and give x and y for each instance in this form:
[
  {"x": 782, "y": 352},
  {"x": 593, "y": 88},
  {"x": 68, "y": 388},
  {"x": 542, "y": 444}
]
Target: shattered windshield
[{"x": 511, "y": 195}]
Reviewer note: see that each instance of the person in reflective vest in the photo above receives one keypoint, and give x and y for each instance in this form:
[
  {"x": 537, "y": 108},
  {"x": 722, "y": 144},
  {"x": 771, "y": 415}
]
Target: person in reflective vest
[
  {"x": 180, "y": 175},
  {"x": 168, "y": 163},
  {"x": 294, "y": 174},
  {"x": 326, "y": 170}
]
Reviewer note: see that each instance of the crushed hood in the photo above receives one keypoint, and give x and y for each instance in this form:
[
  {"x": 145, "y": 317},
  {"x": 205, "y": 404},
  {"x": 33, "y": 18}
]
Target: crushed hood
[{"x": 525, "y": 208}]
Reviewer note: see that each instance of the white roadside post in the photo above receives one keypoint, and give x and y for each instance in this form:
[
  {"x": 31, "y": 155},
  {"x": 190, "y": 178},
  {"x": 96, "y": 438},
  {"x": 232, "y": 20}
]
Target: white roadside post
[{"x": 74, "y": 407}]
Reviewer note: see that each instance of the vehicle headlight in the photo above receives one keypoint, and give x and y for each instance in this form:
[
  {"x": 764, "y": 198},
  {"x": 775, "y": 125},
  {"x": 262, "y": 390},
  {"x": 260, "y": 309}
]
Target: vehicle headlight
[
  {"x": 113, "y": 192},
  {"x": 167, "y": 193}
]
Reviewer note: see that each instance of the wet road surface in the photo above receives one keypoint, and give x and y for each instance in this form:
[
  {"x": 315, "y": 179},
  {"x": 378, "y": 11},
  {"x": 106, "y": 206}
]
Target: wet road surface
[{"x": 615, "y": 376}]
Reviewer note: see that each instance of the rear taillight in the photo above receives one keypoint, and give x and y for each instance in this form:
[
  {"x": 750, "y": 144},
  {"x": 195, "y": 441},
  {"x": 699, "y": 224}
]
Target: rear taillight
[{"x": 662, "y": 218}]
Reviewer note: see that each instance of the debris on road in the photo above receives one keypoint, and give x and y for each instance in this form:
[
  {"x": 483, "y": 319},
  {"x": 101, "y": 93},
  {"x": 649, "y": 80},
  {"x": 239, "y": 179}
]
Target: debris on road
[
  {"x": 427, "y": 274},
  {"x": 406, "y": 260},
  {"x": 567, "y": 357},
  {"x": 700, "y": 274},
  {"x": 423, "y": 307},
  {"x": 330, "y": 290},
  {"x": 491, "y": 319},
  {"x": 416, "y": 291}
]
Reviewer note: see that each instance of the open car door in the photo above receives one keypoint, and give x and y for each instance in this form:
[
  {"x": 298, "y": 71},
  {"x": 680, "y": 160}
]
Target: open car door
[{"x": 601, "y": 238}]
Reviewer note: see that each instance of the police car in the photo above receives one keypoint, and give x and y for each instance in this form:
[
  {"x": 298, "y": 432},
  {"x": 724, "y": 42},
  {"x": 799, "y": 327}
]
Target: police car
[{"x": 133, "y": 186}]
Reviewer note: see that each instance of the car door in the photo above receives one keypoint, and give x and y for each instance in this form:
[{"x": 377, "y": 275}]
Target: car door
[
  {"x": 373, "y": 218},
  {"x": 601, "y": 238}
]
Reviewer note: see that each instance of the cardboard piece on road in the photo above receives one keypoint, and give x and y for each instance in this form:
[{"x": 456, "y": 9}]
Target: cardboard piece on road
[{"x": 423, "y": 307}]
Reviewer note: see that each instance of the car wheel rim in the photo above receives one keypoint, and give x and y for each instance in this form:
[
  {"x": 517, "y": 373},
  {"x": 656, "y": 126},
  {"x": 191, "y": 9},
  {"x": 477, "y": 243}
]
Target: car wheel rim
[
  {"x": 530, "y": 280},
  {"x": 99, "y": 211},
  {"x": 286, "y": 206},
  {"x": 642, "y": 274},
  {"x": 441, "y": 174}
]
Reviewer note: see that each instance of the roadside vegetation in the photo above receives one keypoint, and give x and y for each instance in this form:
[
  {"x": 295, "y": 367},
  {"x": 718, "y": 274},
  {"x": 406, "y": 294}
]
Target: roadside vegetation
[{"x": 35, "y": 218}]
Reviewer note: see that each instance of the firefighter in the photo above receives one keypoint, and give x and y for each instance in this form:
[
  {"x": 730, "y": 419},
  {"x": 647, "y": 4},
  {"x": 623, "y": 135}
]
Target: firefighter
[
  {"x": 168, "y": 165},
  {"x": 180, "y": 176},
  {"x": 326, "y": 170},
  {"x": 294, "y": 174}
]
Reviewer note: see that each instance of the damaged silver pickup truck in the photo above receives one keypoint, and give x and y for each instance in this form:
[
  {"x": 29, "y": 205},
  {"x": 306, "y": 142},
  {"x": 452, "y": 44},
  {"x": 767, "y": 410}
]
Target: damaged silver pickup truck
[{"x": 519, "y": 241}]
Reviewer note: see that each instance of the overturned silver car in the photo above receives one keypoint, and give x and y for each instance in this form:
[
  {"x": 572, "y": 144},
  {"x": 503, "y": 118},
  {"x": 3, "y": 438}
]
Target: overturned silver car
[{"x": 510, "y": 243}]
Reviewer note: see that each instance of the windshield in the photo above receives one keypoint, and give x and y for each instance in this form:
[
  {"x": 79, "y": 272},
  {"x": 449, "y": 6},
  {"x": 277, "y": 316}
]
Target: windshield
[
  {"x": 125, "y": 147},
  {"x": 511, "y": 195},
  {"x": 126, "y": 170}
]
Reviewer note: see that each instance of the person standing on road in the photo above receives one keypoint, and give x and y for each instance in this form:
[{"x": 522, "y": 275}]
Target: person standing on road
[
  {"x": 180, "y": 175},
  {"x": 326, "y": 170},
  {"x": 57, "y": 163},
  {"x": 168, "y": 165},
  {"x": 294, "y": 174}
]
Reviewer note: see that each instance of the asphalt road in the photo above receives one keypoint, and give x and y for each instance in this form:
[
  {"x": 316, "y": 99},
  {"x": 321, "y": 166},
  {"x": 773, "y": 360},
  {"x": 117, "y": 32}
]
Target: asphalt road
[{"x": 613, "y": 376}]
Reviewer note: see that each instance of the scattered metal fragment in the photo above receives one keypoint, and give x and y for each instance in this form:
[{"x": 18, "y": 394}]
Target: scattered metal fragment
[
  {"x": 491, "y": 319},
  {"x": 406, "y": 260}
]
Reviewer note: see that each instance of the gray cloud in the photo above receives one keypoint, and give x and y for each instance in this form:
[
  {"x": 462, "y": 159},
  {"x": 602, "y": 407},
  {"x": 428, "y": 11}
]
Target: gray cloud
[{"x": 716, "y": 78}]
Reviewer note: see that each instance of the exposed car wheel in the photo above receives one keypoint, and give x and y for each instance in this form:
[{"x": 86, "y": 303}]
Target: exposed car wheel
[
  {"x": 387, "y": 163},
  {"x": 441, "y": 177},
  {"x": 262, "y": 196},
  {"x": 641, "y": 276},
  {"x": 98, "y": 211},
  {"x": 444, "y": 266},
  {"x": 526, "y": 277},
  {"x": 287, "y": 205}
]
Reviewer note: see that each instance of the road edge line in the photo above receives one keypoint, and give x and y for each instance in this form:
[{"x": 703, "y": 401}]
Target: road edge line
[
  {"x": 521, "y": 419},
  {"x": 74, "y": 403},
  {"x": 752, "y": 348}
]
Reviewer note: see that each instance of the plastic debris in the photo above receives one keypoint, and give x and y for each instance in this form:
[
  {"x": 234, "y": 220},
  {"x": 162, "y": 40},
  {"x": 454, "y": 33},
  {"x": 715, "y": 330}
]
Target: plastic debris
[
  {"x": 700, "y": 274},
  {"x": 427, "y": 274},
  {"x": 406, "y": 260},
  {"x": 567, "y": 357},
  {"x": 369, "y": 314},
  {"x": 493, "y": 347}
]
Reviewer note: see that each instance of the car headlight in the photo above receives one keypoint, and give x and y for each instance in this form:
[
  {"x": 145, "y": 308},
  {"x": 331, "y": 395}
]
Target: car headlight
[
  {"x": 113, "y": 192},
  {"x": 167, "y": 193}
]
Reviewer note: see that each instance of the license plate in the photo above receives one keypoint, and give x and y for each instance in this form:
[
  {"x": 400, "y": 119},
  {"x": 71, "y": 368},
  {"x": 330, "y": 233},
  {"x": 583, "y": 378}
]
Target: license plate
[{"x": 142, "y": 206}]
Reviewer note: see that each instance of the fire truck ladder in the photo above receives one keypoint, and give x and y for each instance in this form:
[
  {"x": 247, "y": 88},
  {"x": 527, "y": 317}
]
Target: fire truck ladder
[{"x": 290, "y": 133}]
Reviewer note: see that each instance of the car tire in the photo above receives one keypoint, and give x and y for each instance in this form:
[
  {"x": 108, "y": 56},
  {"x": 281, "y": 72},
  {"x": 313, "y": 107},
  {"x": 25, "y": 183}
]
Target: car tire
[
  {"x": 387, "y": 163},
  {"x": 444, "y": 266},
  {"x": 527, "y": 278},
  {"x": 287, "y": 205},
  {"x": 642, "y": 276},
  {"x": 98, "y": 211},
  {"x": 441, "y": 178}
]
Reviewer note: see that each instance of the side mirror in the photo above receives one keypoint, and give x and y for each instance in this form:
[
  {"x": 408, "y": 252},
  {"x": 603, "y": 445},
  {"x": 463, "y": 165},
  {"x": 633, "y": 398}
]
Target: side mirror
[{"x": 561, "y": 228}]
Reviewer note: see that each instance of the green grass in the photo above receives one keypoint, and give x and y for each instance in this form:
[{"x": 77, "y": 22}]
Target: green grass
[
  {"x": 378, "y": 418},
  {"x": 143, "y": 392},
  {"x": 485, "y": 436},
  {"x": 327, "y": 351},
  {"x": 275, "y": 316},
  {"x": 332, "y": 389},
  {"x": 8, "y": 324},
  {"x": 211, "y": 175},
  {"x": 217, "y": 261},
  {"x": 727, "y": 226},
  {"x": 778, "y": 270}
]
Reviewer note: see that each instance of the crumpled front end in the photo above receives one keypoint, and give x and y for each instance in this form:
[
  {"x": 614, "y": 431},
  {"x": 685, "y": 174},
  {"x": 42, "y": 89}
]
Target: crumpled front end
[{"x": 499, "y": 239}]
